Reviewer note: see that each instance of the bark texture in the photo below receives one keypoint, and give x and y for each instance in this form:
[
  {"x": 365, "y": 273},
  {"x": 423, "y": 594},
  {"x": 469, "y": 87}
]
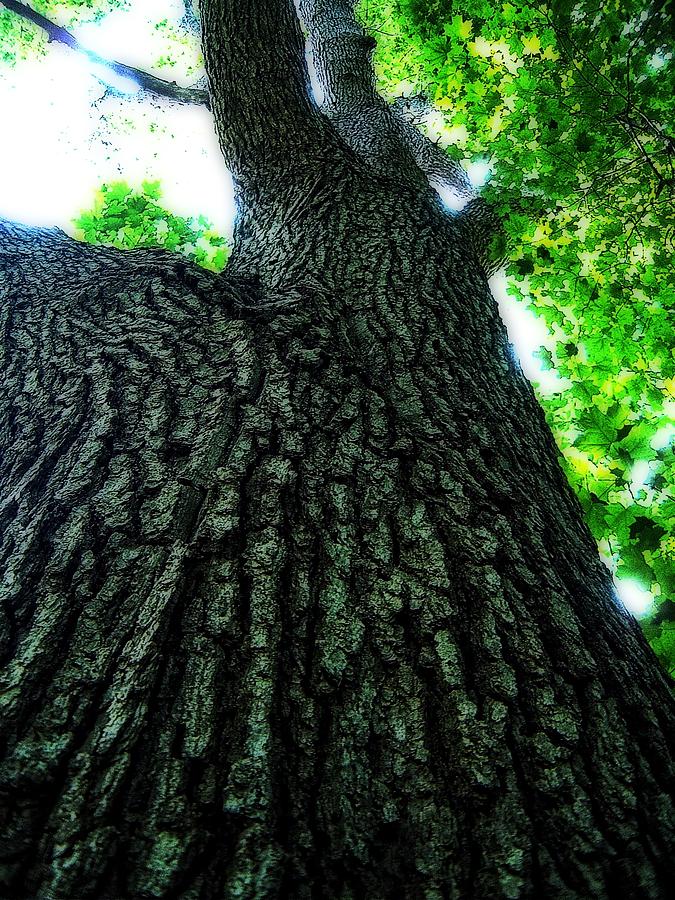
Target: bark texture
[
  {"x": 299, "y": 603},
  {"x": 381, "y": 134},
  {"x": 297, "y": 600},
  {"x": 385, "y": 136}
]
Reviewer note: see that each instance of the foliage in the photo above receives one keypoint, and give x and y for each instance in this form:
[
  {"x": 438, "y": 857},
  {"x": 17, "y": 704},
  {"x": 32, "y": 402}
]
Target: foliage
[
  {"x": 126, "y": 217},
  {"x": 20, "y": 39},
  {"x": 569, "y": 103}
]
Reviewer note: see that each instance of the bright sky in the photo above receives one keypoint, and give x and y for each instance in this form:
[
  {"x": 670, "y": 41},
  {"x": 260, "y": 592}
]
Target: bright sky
[{"x": 65, "y": 138}]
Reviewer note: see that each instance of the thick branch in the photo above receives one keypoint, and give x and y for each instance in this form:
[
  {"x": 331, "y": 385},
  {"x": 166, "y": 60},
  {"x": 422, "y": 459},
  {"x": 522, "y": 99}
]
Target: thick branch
[
  {"x": 144, "y": 80},
  {"x": 381, "y": 134},
  {"x": 441, "y": 170},
  {"x": 17, "y": 240},
  {"x": 260, "y": 87},
  {"x": 386, "y": 136},
  {"x": 347, "y": 94}
]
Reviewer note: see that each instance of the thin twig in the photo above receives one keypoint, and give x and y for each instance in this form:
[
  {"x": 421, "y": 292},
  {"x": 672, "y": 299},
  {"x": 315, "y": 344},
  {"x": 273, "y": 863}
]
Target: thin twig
[{"x": 147, "y": 82}]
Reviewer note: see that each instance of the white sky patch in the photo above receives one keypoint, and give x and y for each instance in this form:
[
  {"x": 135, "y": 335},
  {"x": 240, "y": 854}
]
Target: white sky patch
[
  {"x": 129, "y": 35},
  {"x": 63, "y": 139},
  {"x": 44, "y": 151},
  {"x": 634, "y": 596},
  {"x": 640, "y": 475},
  {"x": 663, "y": 437},
  {"x": 451, "y": 199},
  {"x": 528, "y": 333},
  {"x": 658, "y": 60},
  {"x": 315, "y": 86},
  {"x": 404, "y": 89},
  {"x": 479, "y": 172}
]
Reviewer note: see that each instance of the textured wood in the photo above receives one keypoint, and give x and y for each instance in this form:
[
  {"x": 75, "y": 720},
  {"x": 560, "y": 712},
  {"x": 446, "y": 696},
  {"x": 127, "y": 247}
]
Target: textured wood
[
  {"x": 267, "y": 123},
  {"x": 297, "y": 600},
  {"x": 300, "y": 602}
]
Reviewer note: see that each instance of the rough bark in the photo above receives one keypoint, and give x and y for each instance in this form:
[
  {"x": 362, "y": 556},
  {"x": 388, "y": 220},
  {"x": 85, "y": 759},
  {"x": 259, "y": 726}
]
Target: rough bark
[
  {"x": 298, "y": 602},
  {"x": 267, "y": 124},
  {"x": 382, "y": 135}
]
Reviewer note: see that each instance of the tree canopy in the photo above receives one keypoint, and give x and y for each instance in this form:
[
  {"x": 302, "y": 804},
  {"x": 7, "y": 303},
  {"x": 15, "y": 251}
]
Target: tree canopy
[
  {"x": 297, "y": 598},
  {"x": 564, "y": 109}
]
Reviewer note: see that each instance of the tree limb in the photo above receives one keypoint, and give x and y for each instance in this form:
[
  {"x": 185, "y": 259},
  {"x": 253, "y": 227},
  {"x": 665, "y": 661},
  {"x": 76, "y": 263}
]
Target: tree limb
[
  {"x": 190, "y": 19},
  {"x": 347, "y": 94},
  {"x": 255, "y": 61},
  {"x": 385, "y": 135},
  {"x": 441, "y": 170},
  {"x": 381, "y": 134},
  {"x": 144, "y": 80},
  {"x": 484, "y": 229}
]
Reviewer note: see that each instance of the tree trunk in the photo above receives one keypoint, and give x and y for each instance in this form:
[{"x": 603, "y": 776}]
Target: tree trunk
[{"x": 298, "y": 602}]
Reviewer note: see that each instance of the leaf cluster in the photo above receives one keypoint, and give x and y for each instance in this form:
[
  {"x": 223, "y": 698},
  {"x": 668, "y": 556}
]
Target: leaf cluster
[{"x": 127, "y": 217}]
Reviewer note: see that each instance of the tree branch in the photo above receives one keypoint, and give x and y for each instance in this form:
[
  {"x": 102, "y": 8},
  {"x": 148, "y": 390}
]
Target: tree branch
[
  {"x": 382, "y": 135},
  {"x": 191, "y": 20},
  {"x": 386, "y": 136},
  {"x": 440, "y": 169},
  {"x": 239, "y": 298},
  {"x": 347, "y": 95},
  {"x": 484, "y": 230},
  {"x": 144, "y": 80},
  {"x": 255, "y": 61}
]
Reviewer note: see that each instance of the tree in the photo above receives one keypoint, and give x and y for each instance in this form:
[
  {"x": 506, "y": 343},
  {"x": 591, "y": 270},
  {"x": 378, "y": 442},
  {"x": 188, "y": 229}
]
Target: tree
[{"x": 298, "y": 601}]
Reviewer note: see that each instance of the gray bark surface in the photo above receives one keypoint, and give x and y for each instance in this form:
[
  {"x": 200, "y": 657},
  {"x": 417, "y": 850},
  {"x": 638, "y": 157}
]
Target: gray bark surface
[
  {"x": 383, "y": 137},
  {"x": 297, "y": 600}
]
